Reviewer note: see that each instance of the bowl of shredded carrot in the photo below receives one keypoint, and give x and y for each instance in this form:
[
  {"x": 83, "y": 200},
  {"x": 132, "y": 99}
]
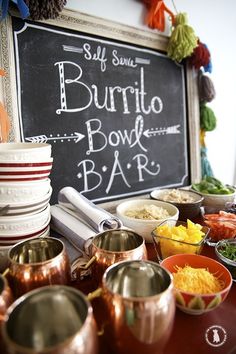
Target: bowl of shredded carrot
[
  {"x": 201, "y": 283},
  {"x": 222, "y": 226}
]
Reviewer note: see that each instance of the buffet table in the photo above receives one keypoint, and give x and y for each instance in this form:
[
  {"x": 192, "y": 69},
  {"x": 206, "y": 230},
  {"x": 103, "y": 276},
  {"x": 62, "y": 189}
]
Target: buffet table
[{"x": 189, "y": 331}]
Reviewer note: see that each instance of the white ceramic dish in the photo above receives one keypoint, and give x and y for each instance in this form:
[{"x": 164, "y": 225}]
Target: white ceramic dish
[
  {"x": 27, "y": 152},
  {"x": 23, "y": 192},
  {"x": 44, "y": 231},
  {"x": 25, "y": 164},
  {"x": 11, "y": 226},
  {"x": 24, "y": 176},
  {"x": 141, "y": 226},
  {"x": 217, "y": 202},
  {"x": 25, "y": 170},
  {"x": 30, "y": 207}
]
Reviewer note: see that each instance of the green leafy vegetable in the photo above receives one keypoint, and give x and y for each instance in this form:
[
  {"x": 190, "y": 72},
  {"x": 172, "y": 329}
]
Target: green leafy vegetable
[
  {"x": 229, "y": 251},
  {"x": 211, "y": 185}
]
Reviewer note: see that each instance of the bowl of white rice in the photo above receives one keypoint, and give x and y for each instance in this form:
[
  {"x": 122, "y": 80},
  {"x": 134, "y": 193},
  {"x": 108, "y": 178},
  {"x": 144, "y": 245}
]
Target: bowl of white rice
[
  {"x": 188, "y": 202},
  {"x": 144, "y": 215}
]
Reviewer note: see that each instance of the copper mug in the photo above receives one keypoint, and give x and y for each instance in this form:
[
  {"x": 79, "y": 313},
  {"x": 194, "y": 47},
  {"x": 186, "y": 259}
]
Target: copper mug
[
  {"x": 54, "y": 319},
  {"x": 113, "y": 246},
  {"x": 37, "y": 262},
  {"x": 139, "y": 307},
  {"x": 6, "y": 299},
  {"x": 6, "y": 296}
]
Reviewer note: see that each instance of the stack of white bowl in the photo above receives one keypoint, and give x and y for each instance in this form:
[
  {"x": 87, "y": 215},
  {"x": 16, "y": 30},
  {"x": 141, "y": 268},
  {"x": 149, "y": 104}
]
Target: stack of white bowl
[{"x": 25, "y": 191}]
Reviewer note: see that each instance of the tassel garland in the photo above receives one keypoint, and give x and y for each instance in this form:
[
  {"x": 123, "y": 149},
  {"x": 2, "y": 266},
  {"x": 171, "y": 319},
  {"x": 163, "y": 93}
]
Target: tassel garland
[
  {"x": 4, "y": 119},
  {"x": 4, "y": 124},
  {"x": 156, "y": 14},
  {"x": 22, "y": 7},
  {"x": 147, "y": 3},
  {"x": 206, "y": 88},
  {"x": 200, "y": 57},
  {"x": 44, "y": 9},
  {"x": 208, "y": 68},
  {"x": 206, "y": 169},
  {"x": 207, "y": 118},
  {"x": 182, "y": 40}
]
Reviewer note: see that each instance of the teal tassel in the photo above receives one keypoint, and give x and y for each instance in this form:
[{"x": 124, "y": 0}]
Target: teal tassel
[{"x": 205, "y": 164}]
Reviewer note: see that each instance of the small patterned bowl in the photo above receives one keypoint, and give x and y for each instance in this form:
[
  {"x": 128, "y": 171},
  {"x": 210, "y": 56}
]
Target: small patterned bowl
[{"x": 193, "y": 303}]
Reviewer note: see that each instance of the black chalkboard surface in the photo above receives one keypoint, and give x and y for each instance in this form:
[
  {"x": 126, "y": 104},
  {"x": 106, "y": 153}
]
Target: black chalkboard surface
[{"x": 115, "y": 113}]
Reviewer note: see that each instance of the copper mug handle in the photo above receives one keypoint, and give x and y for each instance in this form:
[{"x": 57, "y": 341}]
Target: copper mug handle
[{"x": 94, "y": 295}]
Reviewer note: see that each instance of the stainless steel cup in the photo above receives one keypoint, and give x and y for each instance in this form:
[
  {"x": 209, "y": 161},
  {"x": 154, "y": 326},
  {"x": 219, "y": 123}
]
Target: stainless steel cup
[
  {"x": 37, "y": 262},
  {"x": 140, "y": 307},
  {"x": 53, "y": 319}
]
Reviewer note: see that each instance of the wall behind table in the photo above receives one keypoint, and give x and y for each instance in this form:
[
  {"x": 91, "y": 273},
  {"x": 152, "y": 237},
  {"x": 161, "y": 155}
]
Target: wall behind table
[{"x": 217, "y": 28}]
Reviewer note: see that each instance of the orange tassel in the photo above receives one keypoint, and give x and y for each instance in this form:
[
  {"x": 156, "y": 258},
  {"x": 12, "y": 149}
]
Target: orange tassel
[
  {"x": 4, "y": 119},
  {"x": 2, "y": 72},
  {"x": 156, "y": 15},
  {"x": 4, "y": 124}
]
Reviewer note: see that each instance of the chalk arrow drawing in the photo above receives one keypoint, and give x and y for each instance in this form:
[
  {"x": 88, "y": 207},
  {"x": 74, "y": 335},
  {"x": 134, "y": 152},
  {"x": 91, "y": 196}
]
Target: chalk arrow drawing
[
  {"x": 160, "y": 131},
  {"x": 43, "y": 138}
]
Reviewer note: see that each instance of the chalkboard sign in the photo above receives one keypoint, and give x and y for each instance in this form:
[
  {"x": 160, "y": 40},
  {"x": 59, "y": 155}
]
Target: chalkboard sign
[{"x": 115, "y": 113}]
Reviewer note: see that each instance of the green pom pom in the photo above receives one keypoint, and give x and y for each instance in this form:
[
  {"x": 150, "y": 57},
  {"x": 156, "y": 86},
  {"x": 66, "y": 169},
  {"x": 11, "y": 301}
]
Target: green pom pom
[
  {"x": 182, "y": 40},
  {"x": 207, "y": 118}
]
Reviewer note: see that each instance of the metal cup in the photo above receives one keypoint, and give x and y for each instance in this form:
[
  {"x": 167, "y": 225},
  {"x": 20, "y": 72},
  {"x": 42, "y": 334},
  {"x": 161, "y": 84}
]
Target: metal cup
[
  {"x": 113, "y": 246},
  {"x": 140, "y": 307},
  {"x": 37, "y": 262},
  {"x": 6, "y": 299},
  {"x": 50, "y": 320}
]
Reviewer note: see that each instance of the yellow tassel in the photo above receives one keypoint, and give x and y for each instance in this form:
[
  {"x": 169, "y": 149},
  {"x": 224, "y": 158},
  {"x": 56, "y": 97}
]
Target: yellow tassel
[
  {"x": 202, "y": 137},
  {"x": 182, "y": 40}
]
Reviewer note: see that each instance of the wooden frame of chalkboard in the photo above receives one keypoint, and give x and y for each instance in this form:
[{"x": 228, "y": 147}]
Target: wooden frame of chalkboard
[{"x": 164, "y": 104}]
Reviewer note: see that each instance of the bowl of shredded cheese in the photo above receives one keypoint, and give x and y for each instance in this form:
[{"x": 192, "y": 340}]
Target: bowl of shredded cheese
[
  {"x": 188, "y": 202},
  {"x": 143, "y": 215},
  {"x": 201, "y": 283}
]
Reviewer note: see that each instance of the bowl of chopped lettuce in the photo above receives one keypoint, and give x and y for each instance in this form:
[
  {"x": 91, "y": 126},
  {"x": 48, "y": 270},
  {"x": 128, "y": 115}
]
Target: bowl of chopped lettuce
[
  {"x": 226, "y": 254},
  {"x": 216, "y": 194},
  {"x": 201, "y": 283}
]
